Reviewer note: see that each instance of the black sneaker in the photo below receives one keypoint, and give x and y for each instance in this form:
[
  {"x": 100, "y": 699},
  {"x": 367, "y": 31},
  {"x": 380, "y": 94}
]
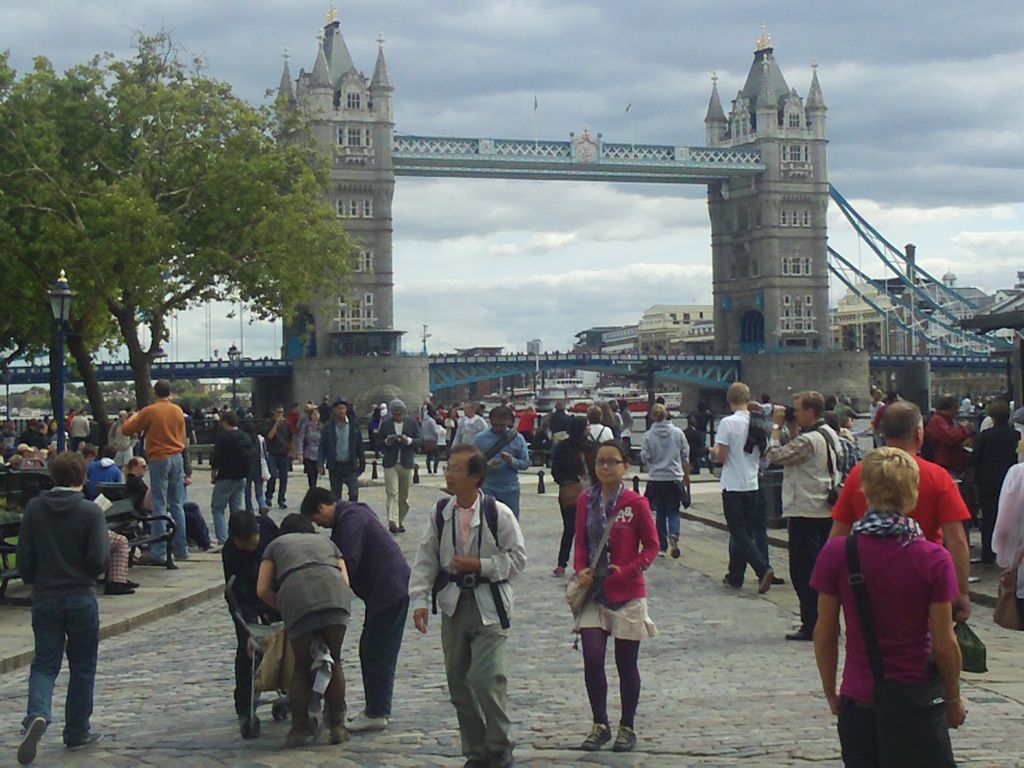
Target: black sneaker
[
  {"x": 730, "y": 583},
  {"x": 282, "y": 505},
  {"x": 600, "y": 735},
  {"x": 30, "y": 740},
  {"x": 625, "y": 739},
  {"x": 90, "y": 739}
]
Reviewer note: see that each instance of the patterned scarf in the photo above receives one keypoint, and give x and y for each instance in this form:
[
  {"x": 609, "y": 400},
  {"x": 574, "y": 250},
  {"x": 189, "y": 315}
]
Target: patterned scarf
[
  {"x": 597, "y": 519},
  {"x": 889, "y": 524}
]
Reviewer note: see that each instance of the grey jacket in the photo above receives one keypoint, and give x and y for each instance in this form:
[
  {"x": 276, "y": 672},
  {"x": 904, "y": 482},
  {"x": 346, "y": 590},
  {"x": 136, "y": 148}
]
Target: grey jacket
[
  {"x": 665, "y": 451},
  {"x": 399, "y": 452}
]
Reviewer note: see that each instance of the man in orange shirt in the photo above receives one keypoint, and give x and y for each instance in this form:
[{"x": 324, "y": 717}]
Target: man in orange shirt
[
  {"x": 940, "y": 509},
  {"x": 163, "y": 424}
]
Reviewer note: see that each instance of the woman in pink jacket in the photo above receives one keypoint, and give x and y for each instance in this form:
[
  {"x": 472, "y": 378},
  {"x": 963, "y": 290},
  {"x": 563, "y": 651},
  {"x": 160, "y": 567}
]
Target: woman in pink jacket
[{"x": 618, "y": 604}]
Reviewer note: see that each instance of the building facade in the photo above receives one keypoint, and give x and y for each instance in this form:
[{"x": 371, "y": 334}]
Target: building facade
[
  {"x": 674, "y": 328},
  {"x": 768, "y": 234},
  {"x": 351, "y": 118}
]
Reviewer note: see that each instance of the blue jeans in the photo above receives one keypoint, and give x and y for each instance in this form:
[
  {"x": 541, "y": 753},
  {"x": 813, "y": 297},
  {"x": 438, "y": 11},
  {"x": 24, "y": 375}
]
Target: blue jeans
[
  {"x": 167, "y": 478},
  {"x": 663, "y": 496},
  {"x": 378, "y": 656},
  {"x": 73, "y": 623},
  {"x": 741, "y": 516},
  {"x": 509, "y": 498},
  {"x": 256, "y": 485},
  {"x": 226, "y": 492},
  {"x": 279, "y": 468}
]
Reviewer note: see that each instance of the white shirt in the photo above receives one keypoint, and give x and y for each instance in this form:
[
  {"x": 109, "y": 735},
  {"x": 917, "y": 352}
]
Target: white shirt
[
  {"x": 739, "y": 473},
  {"x": 399, "y": 427},
  {"x": 497, "y": 563},
  {"x": 601, "y": 433},
  {"x": 1008, "y": 536},
  {"x": 468, "y": 429}
]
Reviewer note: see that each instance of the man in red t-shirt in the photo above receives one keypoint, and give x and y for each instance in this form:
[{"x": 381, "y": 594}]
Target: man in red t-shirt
[{"x": 940, "y": 509}]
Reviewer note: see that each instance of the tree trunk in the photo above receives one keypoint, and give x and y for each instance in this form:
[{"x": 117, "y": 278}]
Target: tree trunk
[
  {"x": 140, "y": 360},
  {"x": 83, "y": 361}
]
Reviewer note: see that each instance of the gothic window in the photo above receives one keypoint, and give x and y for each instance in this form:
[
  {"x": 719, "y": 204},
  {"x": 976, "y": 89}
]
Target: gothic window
[
  {"x": 805, "y": 219},
  {"x": 787, "y": 300},
  {"x": 787, "y": 325},
  {"x": 366, "y": 208},
  {"x": 364, "y": 261},
  {"x": 341, "y": 136},
  {"x": 794, "y": 119},
  {"x": 808, "y": 300},
  {"x": 368, "y": 299},
  {"x": 354, "y": 137},
  {"x": 784, "y": 218},
  {"x": 786, "y": 260},
  {"x": 353, "y": 100},
  {"x": 806, "y": 264}
]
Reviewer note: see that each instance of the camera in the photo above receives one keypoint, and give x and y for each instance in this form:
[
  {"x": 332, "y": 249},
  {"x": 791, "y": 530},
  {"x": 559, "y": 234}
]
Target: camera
[{"x": 468, "y": 581}]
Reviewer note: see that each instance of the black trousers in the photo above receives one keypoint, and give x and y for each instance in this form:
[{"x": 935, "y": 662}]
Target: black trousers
[
  {"x": 243, "y": 671},
  {"x": 379, "y": 646},
  {"x": 918, "y": 740},
  {"x": 344, "y": 473},
  {"x": 568, "y": 534},
  {"x": 807, "y": 535}
]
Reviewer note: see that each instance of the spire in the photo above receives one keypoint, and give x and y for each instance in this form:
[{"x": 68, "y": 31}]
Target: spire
[
  {"x": 814, "y": 98},
  {"x": 338, "y": 58},
  {"x": 381, "y": 77},
  {"x": 715, "y": 113},
  {"x": 766, "y": 98},
  {"x": 287, "y": 88},
  {"x": 321, "y": 77},
  {"x": 764, "y": 42}
]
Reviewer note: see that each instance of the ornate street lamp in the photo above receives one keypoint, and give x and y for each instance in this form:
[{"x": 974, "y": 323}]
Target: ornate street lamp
[
  {"x": 234, "y": 355},
  {"x": 8, "y": 375},
  {"x": 60, "y": 308}
]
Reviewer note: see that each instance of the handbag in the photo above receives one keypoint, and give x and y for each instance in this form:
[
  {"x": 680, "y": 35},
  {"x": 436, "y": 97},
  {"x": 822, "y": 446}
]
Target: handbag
[
  {"x": 569, "y": 493},
  {"x": 1006, "y": 613},
  {"x": 972, "y": 650},
  {"x": 576, "y": 595}
]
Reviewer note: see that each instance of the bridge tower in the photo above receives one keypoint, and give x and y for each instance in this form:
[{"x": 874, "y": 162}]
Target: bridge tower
[
  {"x": 768, "y": 233},
  {"x": 352, "y": 119}
]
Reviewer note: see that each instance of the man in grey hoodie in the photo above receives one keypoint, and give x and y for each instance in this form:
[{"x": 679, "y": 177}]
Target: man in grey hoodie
[
  {"x": 667, "y": 455},
  {"x": 62, "y": 548}
]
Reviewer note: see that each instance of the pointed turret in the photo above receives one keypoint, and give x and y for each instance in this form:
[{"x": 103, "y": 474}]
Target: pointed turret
[
  {"x": 767, "y": 111},
  {"x": 321, "y": 77},
  {"x": 816, "y": 109},
  {"x": 338, "y": 58},
  {"x": 814, "y": 98},
  {"x": 714, "y": 120},
  {"x": 286, "y": 90},
  {"x": 381, "y": 77}
]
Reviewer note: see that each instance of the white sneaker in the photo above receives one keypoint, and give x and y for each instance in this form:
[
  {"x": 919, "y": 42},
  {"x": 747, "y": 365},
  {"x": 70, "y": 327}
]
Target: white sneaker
[{"x": 362, "y": 723}]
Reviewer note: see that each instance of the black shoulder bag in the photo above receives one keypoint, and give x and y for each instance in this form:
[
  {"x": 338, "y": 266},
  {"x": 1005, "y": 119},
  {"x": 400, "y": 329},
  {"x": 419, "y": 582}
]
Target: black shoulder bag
[{"x": 910, "y": 718}]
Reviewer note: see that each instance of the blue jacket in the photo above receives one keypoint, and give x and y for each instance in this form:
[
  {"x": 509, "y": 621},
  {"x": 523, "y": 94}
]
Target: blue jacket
[
  {"x": 329, "y": 441},
  {"x": 502, "y": 476},
  {"x": 101, "y": 471}
]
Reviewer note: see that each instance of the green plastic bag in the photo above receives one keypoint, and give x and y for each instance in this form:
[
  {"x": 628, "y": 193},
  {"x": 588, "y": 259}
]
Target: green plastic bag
[{"x": 971, "y": 648}]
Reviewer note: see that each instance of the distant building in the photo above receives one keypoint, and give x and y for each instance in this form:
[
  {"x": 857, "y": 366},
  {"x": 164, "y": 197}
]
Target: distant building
[
  {"x": 592, "y": 339},
  {"x": 673, "y": 328}
]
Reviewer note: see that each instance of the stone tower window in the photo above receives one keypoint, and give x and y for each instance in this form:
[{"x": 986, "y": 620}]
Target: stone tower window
[{"x": 353, "y": 100}]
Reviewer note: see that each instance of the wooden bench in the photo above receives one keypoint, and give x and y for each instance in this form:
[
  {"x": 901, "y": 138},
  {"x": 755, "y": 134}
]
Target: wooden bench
[{"x": 123, "y": 518}]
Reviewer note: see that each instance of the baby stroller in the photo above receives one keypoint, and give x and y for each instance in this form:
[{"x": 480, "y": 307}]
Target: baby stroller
[{"x": 261, "y": 636}]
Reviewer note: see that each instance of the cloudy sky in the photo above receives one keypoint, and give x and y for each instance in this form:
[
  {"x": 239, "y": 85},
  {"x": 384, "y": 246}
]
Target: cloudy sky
[{"x": 925, "y": 116}]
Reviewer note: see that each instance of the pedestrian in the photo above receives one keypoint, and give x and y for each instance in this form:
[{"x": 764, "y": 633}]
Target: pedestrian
[
  {"x": 62, "y": 547},
  {"x": 507, "y": 455},
  {"x": 810, "y": 483},
  {"x": 470, "y": 425},
  {"x": 163, "y": 424},
  {"x": 618, "y": 603},
  {"x": 995, "y": 451},
  {"x": 248, "y": 537},
  {"x": 626, "y": 435},
  {"x": 79, "y": 427},
  {"x": 947, "y": 440},
  {"x": 738, "y": 449},
  {"x": 940, "y": 509},
  {"x": 379, "y": 576},
  {"x": 123, "y": 444},
  {"x": 895, "y": 637},
  {"x": 229, "y": 471},
  {"x": 1008, "y": 534},
  {"x": 572, "y": 467},
  {"x": 599, "y": 431},
  {"x": 340, "y": 452},
  {"x": 559, "y": 423},
  {"x": 666, "y": 453},
  {"x": 279, "y": 456},
  {"x": 259, "y": 470},
  {"x": 308, "y": 443},
  {"x": 304, "y": 577},
  {"x": 432, "y": 438},
  {"x": 468, "y": 554},
  {"x": 398, "y": 439},
  {"x": 374, "y": 424},
  {"x": 100, "y": 469}
]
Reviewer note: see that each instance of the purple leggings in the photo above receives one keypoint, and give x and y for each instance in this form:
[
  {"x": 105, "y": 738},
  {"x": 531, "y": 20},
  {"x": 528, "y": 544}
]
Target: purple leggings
[{"x": 595, "y": 642}]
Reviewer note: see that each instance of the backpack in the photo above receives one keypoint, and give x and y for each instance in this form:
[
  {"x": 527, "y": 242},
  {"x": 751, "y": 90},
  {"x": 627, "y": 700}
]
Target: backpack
[{"x": 489, "y": 510}]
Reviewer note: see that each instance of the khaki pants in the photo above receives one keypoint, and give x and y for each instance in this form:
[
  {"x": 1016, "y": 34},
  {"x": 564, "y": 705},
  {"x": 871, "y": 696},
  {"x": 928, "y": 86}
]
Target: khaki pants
[
  {"x": 397, "y": 480},
  {"x": 474, "y": 662}
]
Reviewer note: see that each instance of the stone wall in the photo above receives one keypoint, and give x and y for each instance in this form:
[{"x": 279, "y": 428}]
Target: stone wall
[
  {"x": 364, "y": 381},
  {"x": 782, "y": 375}
]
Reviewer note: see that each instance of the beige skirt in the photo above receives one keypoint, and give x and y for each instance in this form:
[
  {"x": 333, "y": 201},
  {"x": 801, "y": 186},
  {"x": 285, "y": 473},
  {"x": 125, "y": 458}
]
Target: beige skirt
[{"x": 630, "y": 622}]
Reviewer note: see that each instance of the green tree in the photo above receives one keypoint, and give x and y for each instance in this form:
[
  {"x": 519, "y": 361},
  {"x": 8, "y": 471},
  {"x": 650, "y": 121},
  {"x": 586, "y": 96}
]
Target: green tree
[{"x": 157, "y": 189}]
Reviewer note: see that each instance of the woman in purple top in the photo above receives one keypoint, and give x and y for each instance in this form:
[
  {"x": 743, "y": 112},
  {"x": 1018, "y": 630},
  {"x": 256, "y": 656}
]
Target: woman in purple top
[{"x": 911, "y": 584}]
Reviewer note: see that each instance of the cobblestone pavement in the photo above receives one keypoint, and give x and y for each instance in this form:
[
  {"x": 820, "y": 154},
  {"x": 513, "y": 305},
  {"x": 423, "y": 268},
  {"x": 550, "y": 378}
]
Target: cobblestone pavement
[{"x": 721, "y": 687}]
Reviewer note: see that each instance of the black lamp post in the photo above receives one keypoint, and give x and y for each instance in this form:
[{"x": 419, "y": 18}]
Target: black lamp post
[
  {"x": 8, "y": 375},
  {"x": 234, "y": 355},
  {"x": 60, "y": 308}
]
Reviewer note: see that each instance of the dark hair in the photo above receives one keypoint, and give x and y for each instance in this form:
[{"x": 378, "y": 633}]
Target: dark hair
[
  {"x": 243, "y": 525},
  {"x": 577, "y": 431},
  {"x": 900, "y": 420},
  {"x": 109, "y": 452},
  {"x": 296, "y": 523},
  {"x": 340, "y": 401},
  {"x": 503, "y": 410},
  {"x": 618, "y": 446},
  {"x": 249, "y": 428},
  {"x": 999, "y": 410},
  {"x": 88, "y": 449},
  {"x": 946, "y": 403},
  {"x": 229, "y": 418},
  {"x": 68, "y": 469},
  {"x": 313, "y": 499},
  {"x": 832, "y": 419},
  {"x": 476, "y": 464},
  {"x": 828, "y": 402},
  {"x": 162, "y": 388}
]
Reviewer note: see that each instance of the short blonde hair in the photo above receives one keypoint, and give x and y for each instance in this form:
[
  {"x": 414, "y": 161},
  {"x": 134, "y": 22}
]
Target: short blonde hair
[
  {"x": 659, "y": 412},
  {"x": 738, "y": 394},
  {"x": 889, "y": 479}
]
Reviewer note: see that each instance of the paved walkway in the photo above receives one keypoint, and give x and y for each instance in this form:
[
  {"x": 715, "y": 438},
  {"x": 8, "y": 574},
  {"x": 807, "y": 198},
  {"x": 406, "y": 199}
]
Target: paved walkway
[{"x": 721, "y": 687}]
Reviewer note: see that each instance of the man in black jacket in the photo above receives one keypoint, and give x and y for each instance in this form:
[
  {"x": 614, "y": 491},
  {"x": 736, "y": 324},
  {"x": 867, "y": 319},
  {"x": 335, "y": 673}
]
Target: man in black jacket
[
  {"x": 62, "y": 548},
  {"x": 341, "y": 451},
  {"x": 229, "y": 469},
  {"x": 398, "y": 439}
]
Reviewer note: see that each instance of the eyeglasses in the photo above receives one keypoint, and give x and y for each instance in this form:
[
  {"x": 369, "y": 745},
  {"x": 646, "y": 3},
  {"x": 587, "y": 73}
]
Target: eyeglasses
[{"x": 608, "y": 463}]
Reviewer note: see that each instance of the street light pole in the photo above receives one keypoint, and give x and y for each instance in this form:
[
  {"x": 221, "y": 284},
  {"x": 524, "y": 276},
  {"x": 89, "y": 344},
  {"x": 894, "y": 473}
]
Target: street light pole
[
  {"x": 8, "y": 375},
  {"x": 60, "y": 308},
  {"x": 234, "y": 355}
]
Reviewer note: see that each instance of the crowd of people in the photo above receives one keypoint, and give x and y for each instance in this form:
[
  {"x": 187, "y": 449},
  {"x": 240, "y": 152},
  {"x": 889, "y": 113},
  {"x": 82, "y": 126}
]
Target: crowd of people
[{"x": 857, "y": 524}]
